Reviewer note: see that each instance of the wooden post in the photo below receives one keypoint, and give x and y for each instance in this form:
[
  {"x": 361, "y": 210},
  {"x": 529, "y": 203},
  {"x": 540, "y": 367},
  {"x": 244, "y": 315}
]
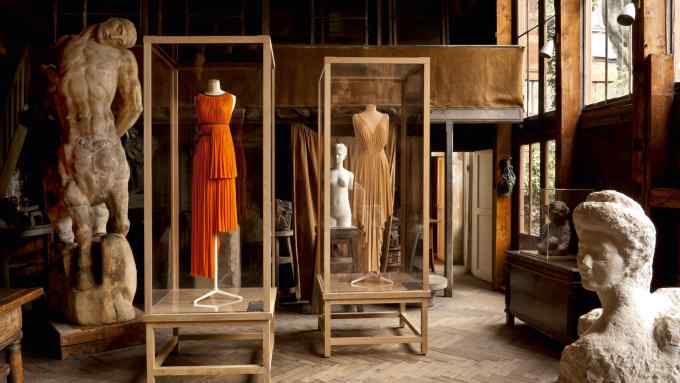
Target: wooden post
[
  {"x": 502, "y": 208},
  {"x": 174, "y": 177},
  {"x": 649, "y": 38},
  {"x": 448, "y": 158},
  {"x": 569, "y": 86},
  {"x": 148, "y": 212}
]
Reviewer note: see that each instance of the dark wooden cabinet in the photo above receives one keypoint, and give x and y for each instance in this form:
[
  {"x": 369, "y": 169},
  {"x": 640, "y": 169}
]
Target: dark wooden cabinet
[{"x": 546, "y": 294}]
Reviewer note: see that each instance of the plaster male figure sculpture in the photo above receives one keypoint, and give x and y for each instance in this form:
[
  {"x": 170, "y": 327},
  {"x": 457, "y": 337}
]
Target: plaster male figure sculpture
[
  {"x": 555, "y": 235},
  {"x": 635, "y": 336},
  {"x": 98, "y": 97},
  {"x": 342, "y": 181}
]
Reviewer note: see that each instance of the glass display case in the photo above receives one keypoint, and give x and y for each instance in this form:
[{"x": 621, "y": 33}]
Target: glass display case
[
  {"x": 208, "y": 192},
  {"x": 374, "y": 189},
  {"x": 557, "y": 237}
]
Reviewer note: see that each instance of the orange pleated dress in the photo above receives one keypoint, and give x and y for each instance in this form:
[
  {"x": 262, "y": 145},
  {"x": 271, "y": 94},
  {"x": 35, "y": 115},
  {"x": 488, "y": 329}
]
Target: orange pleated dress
[{"x": 213, "y": 193}]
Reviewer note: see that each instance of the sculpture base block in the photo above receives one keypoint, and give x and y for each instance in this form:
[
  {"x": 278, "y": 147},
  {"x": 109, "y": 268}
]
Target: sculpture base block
[{"x": 73, "y": 340}]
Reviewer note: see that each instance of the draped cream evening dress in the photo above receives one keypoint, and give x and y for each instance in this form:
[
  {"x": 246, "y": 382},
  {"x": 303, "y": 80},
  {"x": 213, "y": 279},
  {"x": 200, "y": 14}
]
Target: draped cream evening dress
[{"x": 372, "y": 176}]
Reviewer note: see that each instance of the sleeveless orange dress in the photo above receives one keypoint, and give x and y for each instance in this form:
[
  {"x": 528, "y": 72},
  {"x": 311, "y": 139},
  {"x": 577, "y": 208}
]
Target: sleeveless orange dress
[{"x": 213, "y": 192}]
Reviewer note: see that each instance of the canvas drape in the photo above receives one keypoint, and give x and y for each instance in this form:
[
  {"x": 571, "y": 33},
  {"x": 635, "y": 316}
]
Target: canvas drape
[{"x": 306, "y": 172}]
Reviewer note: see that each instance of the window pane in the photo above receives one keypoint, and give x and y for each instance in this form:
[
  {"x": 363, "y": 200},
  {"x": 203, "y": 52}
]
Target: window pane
[
  {"x": 291, "y": 24},
  {"x": 525, "y": 196},
  {"x": 535, "y": 186},
  {"x": 419, "y": 22},
  {"x": 532, "y": 83},
  {"x": 550, "y": 178},
  {"x": 598, "y": 42},
  {"x": 619, "y": 48},
  {"x": 525, "y": 83},
  {"x": 527, "y": 28},
  {"x": 550, "y": 64},
  {"x": 549, "y": 172}
]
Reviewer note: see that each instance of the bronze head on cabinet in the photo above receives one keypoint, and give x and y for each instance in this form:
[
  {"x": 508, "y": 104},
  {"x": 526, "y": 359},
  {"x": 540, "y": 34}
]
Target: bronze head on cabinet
[{"x": 634, "y": 337}]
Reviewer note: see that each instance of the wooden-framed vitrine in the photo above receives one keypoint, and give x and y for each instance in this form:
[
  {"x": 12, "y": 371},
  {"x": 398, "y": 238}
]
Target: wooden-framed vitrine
[
  {"x": 208, "y": 174},
  {"x": 374, "y": 140}
]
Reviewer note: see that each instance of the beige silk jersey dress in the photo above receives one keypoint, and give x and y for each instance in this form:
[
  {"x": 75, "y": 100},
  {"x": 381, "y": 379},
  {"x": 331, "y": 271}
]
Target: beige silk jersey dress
[{"x": 372, "y": 175}]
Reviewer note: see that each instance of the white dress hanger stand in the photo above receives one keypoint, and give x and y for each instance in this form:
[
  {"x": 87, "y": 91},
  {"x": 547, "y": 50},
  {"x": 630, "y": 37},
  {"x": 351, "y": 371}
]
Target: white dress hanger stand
[{"x": 217, "y": 291}]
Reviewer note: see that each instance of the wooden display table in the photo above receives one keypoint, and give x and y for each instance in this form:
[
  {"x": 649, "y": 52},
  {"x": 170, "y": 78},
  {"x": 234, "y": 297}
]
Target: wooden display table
[
  {"x": 406, "y": 289},
  {"x": 546, "y": 294},
  {"x": 174, "y": 309},
  {"x": 10, "y": 327}
]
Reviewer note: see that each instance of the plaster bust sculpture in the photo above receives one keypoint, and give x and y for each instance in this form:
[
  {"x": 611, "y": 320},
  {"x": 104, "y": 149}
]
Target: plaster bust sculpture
[
  {"x": 98, "y": 97},
  {"x": 555, "y": 235},
  {"x": 635, "y": 336},
  {"x": 342, "y": 181}
]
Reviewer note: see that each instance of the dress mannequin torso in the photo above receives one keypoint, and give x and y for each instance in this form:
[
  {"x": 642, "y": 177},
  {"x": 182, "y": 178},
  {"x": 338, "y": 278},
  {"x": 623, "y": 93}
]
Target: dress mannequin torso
[
  {"x": 214, "y": 176},
  {"x": 372, "y": 172},
  {"x": 214, "y": 89},
  {"x": 371, "y": 115}
]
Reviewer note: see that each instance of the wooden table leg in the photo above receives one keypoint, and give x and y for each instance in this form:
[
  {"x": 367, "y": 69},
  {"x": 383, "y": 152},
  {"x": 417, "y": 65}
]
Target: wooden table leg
[
  {"x": 16, "y": 364},
  {"x": 267, "y": 351},
  {"x": 150, "y": 354},
  {"x": 175, "y": 332},
  {"x": 402, "y": 312},
  {"x": 327, "y": 329},
  {"x": 424, "y": 306}
]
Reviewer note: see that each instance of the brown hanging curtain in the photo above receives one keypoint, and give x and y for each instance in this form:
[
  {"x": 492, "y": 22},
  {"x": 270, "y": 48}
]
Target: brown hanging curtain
[{"x": 306, "y": 173}]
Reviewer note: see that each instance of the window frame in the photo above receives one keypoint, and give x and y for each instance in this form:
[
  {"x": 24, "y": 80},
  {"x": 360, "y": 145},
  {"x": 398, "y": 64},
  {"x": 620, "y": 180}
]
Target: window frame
[
  {"x": 527, "y": 239},
  {"x": 587, "y": 57},
  {"x": 541, "y": 28}
]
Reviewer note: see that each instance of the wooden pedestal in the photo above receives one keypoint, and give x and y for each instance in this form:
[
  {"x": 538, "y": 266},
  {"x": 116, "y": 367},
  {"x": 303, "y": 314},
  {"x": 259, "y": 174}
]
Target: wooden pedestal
[
  {"x": 73, "y": 340},
  {"x": 262, "y": 320},
  {"x": 419, "y": 334}
]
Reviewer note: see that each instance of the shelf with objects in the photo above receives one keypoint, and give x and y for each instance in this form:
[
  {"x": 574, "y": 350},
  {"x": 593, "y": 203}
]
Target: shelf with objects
[
  {"x": 374, "y": 136},
  {"x": 208, "y": 143}
]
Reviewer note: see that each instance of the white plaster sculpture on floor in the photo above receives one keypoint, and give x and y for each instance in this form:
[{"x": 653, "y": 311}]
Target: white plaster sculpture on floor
[
  {"x": 97, "y": 94},
  {"x": 556, "y": 234},
  {"x": 342, "y": 181},
  {"x": 635, "y": 336}
]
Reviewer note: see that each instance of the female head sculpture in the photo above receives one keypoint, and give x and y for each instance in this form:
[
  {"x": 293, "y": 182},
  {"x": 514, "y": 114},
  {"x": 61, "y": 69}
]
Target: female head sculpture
[
  {"x": 611, "y": 225},
  {"x": 340, "y": 154},
  {"x": 633, "y": 337}
]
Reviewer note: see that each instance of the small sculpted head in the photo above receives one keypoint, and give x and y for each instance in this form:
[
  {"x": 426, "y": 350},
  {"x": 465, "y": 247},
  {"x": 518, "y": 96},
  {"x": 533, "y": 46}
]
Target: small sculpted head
[
  {"x": 117, "y": 32},
  {"x": 340, "y": 153},
  {"x": 616, "y": 242},
  {"x": 558, "y": 211}
]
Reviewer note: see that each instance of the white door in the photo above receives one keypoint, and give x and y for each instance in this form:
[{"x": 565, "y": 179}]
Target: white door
[{"x": 481, "y": 256}]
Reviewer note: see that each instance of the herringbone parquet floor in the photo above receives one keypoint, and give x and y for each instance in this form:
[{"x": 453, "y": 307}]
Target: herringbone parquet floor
[{"x": 469, "y": 343}]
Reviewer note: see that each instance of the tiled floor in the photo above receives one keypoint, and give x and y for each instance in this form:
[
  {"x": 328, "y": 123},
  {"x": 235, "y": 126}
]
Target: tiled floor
[{"x": 469, "y": 342}]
